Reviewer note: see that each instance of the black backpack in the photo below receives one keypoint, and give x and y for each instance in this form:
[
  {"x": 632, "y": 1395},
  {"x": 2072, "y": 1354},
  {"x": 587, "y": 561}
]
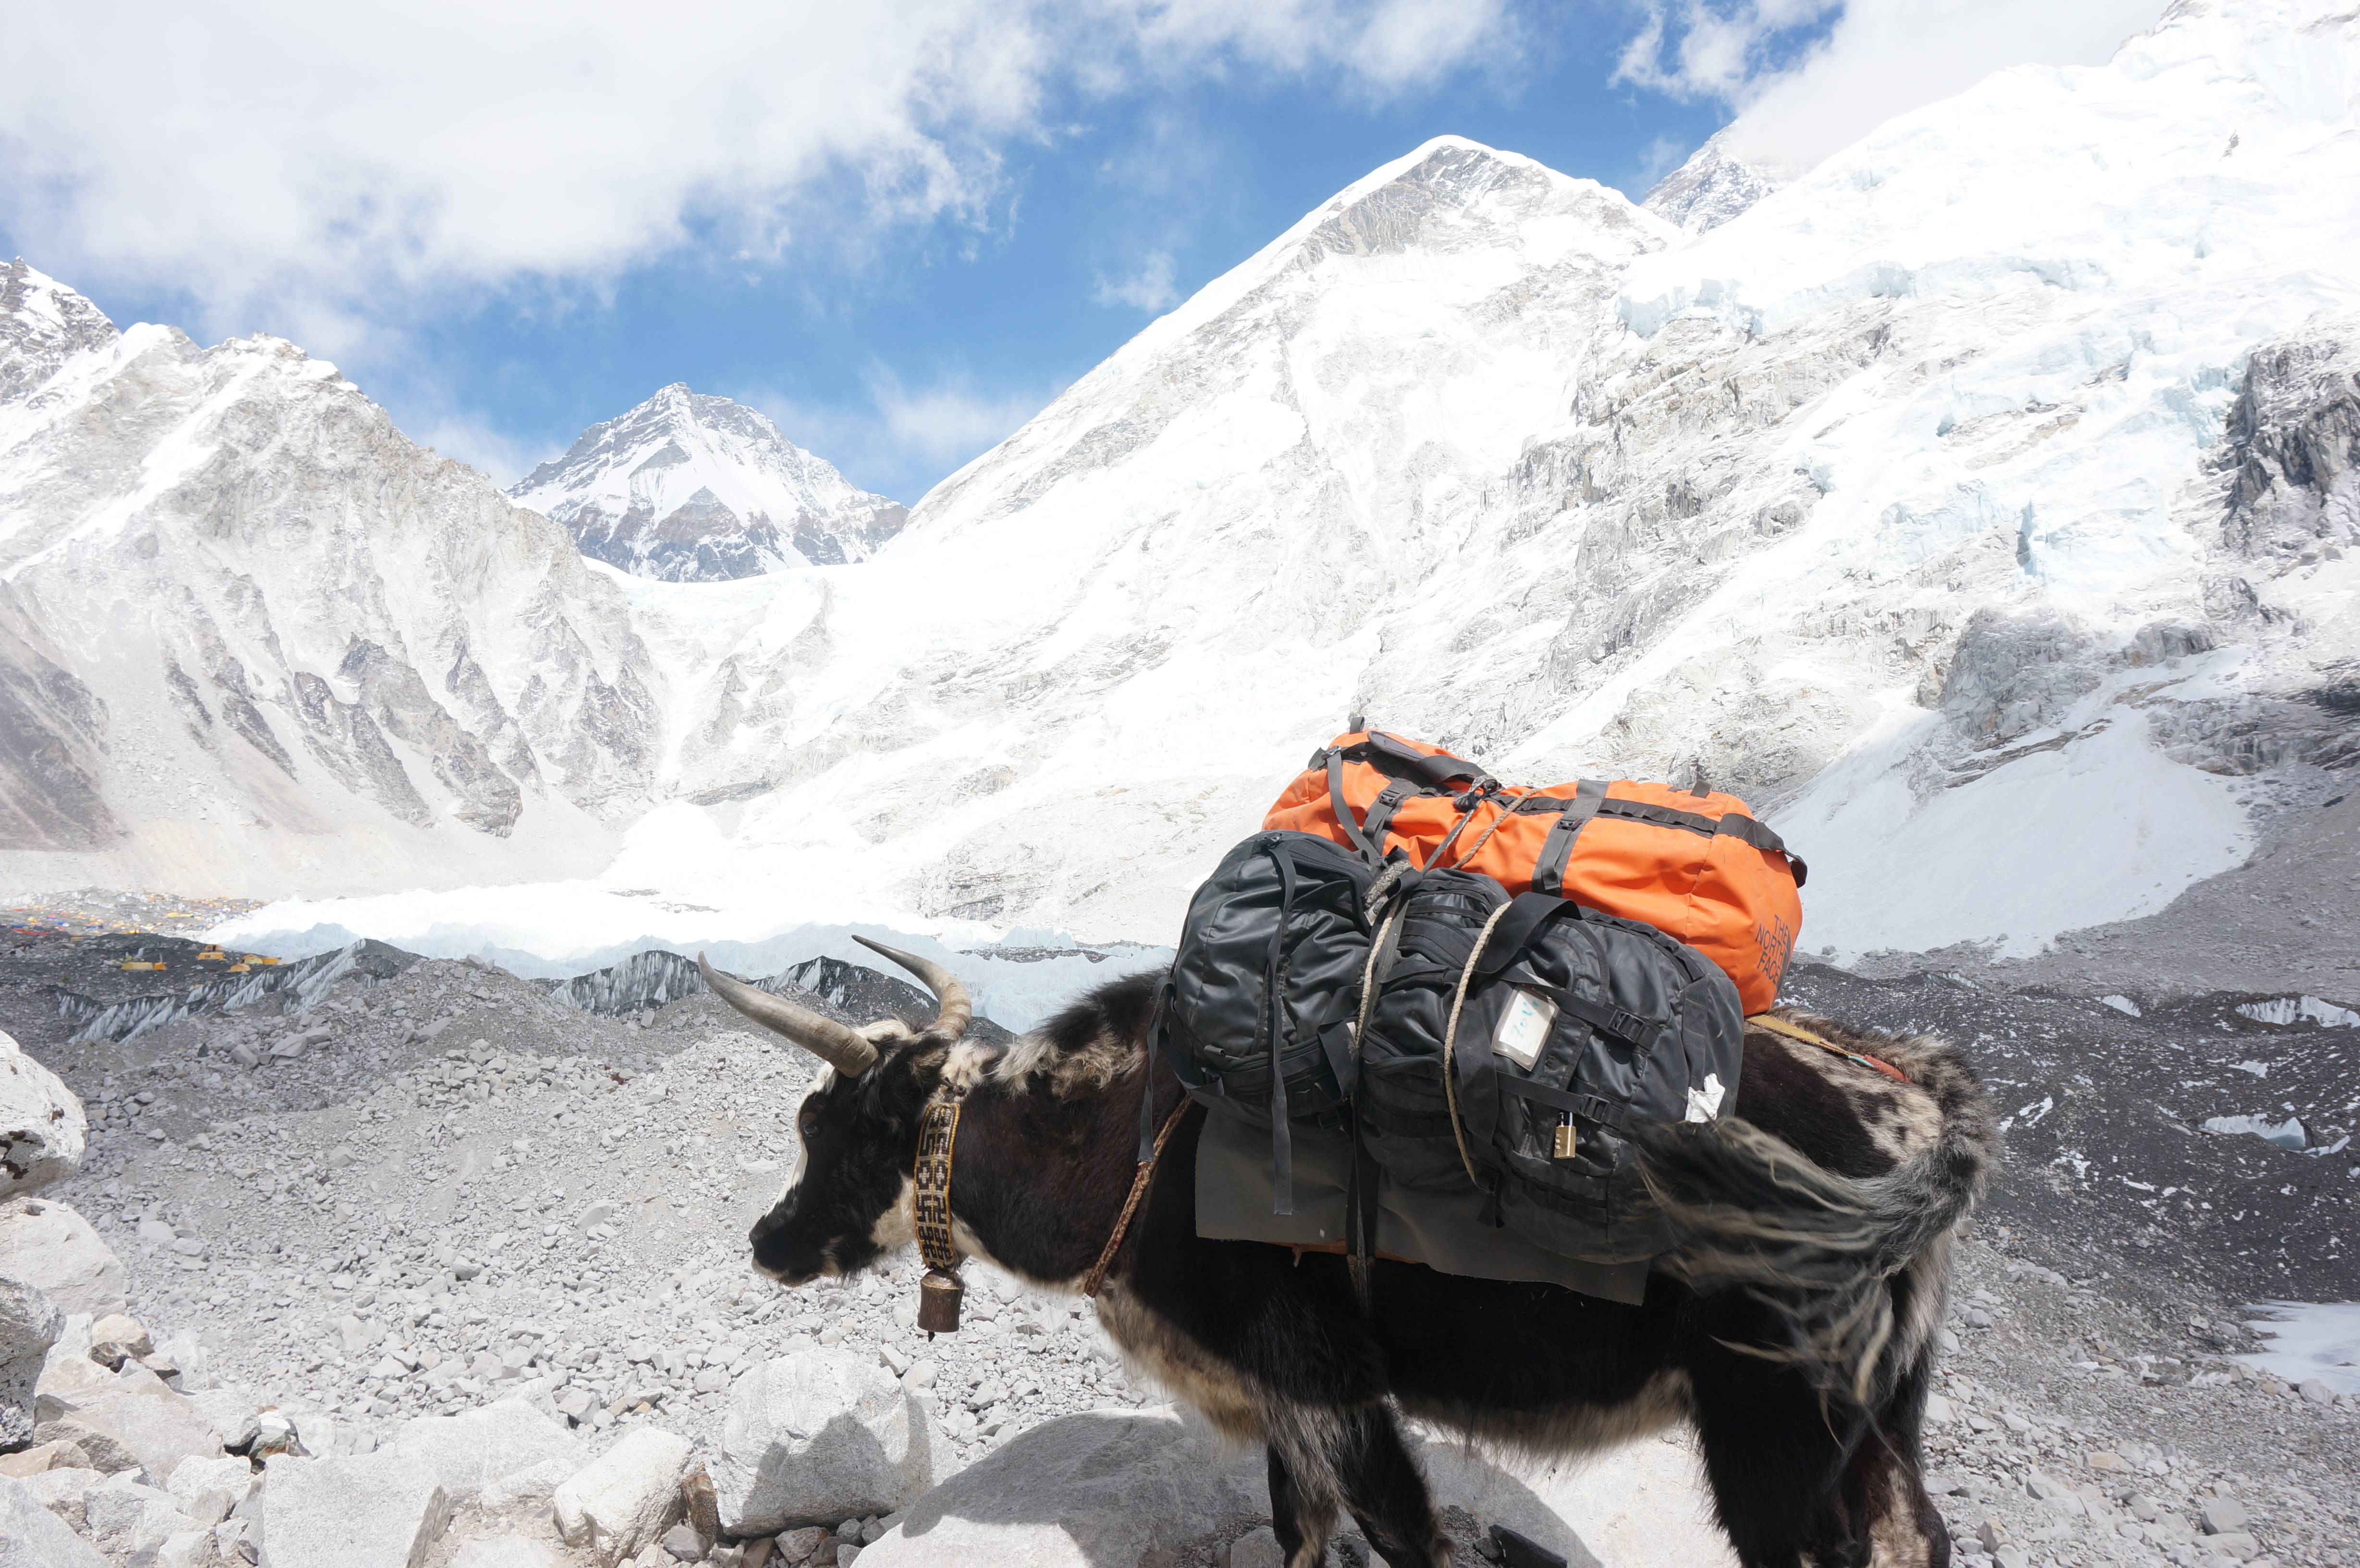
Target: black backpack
[
  {"x": 1315, "y": 988},
  {"x": 1571, "y": 1026}
]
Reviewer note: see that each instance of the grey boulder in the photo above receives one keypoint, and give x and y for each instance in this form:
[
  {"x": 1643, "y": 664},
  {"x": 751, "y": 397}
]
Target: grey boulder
[
  {"x": 131, "y": 1419},
  {"x": 819, "y": 1437},
  {"x": 371, "y": 1510},
  {"x": 1125, "y": 1487},
  {"x": 49, "y": 1246},
  {"x": 42, "y": 1129},
  {"x": 234, "y": 1416},
  {"x": 140, "y": 1522},
  {"x": 206, "y": 1489},
  {"x": 29, "y": 1325},
  {"x": 626, "y": 1498},
  {"x": 502, "y": 1454},
  {"x": 33, "y": 1537},
  {"x": 1085, "y": 1490}
]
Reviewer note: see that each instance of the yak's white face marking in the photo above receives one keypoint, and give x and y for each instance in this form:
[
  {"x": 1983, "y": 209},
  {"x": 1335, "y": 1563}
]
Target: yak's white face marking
[{"x": 898, "y": 1225}]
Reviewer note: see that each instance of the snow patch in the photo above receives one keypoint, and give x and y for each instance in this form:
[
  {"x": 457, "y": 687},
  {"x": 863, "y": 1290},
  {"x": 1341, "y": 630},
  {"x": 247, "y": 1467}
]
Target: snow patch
[
  {"x": 2310, "y": 1009},
  {"x": 2288, "y": 1134},
  {"x": 2309, "y": 1339}
]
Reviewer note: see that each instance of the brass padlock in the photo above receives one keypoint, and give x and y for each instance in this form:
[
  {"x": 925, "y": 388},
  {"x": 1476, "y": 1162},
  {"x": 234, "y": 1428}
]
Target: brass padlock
[
  {"x": 1566, "y": 1141},
  {"x": 938, "y": 1301}
]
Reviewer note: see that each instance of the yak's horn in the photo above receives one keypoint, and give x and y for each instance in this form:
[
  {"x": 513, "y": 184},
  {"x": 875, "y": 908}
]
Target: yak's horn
[
  {"x": 838, "y": 1045},
  {"x": 957, "y": 1010}
]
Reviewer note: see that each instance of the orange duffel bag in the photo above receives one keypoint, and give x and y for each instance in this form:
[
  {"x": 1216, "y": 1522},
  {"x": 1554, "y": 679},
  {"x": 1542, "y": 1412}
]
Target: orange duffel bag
[{"x": 1695, "y": 866}]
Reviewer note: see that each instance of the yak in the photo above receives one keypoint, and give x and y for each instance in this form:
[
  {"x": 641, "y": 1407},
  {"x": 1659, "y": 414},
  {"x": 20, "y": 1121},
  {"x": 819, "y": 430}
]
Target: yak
[{"x": 1793, "y": 1321}]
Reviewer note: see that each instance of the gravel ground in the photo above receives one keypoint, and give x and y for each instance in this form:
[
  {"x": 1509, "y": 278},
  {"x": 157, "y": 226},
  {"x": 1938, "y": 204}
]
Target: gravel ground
[{"x": 433, "y": 1185}]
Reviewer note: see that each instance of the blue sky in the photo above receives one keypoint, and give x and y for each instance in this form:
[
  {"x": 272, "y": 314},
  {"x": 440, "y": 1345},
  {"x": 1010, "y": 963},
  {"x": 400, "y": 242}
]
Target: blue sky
[{"x": 899, "y": 231}]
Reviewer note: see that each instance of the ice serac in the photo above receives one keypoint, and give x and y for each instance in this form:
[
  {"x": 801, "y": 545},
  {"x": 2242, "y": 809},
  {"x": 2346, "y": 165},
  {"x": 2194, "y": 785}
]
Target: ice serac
[
  {"x": 255, "y": 640},
  {"x": 688, "y": 488}
]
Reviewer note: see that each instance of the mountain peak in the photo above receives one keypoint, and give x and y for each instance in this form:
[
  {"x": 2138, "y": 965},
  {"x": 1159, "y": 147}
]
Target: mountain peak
[
  {"x": 690, "y": 487},
  {"x": 42, "y": 324},
  {"x": 1712, "y": 187}
]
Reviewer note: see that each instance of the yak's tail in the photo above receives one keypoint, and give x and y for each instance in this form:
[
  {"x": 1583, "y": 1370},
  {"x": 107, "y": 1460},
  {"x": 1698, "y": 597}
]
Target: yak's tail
[{"x": 1749, "y": 1213}]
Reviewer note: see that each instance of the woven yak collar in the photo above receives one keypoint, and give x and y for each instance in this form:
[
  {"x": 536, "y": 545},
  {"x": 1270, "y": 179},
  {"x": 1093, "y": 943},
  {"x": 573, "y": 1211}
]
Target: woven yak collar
[{"x": 930, "y": 1179}]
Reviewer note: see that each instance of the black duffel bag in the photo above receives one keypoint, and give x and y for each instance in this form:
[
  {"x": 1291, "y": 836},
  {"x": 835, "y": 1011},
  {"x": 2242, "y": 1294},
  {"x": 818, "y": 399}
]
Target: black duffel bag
[{"x": 1266, "y": 987}]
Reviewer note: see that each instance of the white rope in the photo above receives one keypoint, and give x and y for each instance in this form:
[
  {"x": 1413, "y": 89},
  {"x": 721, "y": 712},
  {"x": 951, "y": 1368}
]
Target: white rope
[{"x": 1450, "y": 1039}]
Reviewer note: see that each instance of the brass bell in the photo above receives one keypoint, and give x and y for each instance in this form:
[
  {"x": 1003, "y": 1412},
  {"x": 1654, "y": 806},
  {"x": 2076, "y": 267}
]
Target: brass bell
[
  {"x": 1565, "y": 1142},
  {"x": 938, "y": 1301}
]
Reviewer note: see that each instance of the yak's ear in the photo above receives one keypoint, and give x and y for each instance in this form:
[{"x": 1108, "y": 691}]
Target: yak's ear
[{"x": 911, "y": 1074}]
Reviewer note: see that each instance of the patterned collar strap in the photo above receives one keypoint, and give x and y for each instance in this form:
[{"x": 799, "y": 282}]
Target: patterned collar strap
[{"x": 930, "y": 1179}]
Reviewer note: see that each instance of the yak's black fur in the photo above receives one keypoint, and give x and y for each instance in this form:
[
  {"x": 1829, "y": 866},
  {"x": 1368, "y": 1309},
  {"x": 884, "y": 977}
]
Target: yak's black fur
[{"x": 1793, "y": 1324}]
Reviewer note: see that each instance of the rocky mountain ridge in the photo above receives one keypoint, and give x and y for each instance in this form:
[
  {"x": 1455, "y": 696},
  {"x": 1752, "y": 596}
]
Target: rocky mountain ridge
[{"x": 252, "y": 637}]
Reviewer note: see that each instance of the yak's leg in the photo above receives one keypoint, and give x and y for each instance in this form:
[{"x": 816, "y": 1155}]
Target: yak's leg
[
  {"x": 1321, "y": 1458},
  {"x": 1299, "y": 1518},
  {"x": 1884, "y": 1489},
  {"x": 1776, "y": 1455},
  {"x": 1386, "y": 1493}
]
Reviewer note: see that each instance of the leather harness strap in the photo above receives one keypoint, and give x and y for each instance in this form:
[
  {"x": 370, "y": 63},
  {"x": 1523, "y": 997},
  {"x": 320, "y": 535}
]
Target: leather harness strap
[
  {"x": 1795, "y": 1032},
  {"x": 1130, "y": 1205}
]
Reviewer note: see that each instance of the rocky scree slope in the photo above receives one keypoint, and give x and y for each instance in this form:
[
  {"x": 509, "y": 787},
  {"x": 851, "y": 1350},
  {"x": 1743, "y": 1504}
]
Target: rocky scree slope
[
  {"x": 428, "y": 1195},
  {"x": 252, "y": 638},
  {"x": 689, "y": 488}
]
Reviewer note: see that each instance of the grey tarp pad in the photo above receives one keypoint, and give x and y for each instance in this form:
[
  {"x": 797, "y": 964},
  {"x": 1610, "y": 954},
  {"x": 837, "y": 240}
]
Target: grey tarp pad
[{"x": 1438, "y": 1229}]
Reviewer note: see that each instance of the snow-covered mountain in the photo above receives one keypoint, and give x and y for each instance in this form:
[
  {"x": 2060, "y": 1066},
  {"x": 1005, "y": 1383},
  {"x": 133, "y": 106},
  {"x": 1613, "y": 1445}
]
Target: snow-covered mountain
[
  {"x": 1712, "y": 187},
  {"x": 687, "y": 488},
  {"x": 1979, "y": 503},
  {"x": 254, "y": 641},
  {"x": 1919, "y": 503}
]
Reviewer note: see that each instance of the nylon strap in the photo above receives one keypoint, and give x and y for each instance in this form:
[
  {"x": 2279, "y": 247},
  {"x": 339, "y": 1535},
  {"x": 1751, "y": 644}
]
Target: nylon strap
[
  {"x": 1556, "y": 849},
  {"x": 1147, "y": 1101},
  {"x": 1380, "y": 813},
  {"x": 1434, "y": 770},
  {"x": 1282, "y": 1136},
  {"x": 1795, "y": 1032},
  {"x": 1604, "y": 1112},
  {"x": 1738, "y": 825},
  {"x": 1138, "y": 1190},
  {"x": 929, "y": 1180},
  {"x": 1361, "y": 1223},
  {"x": 1343, "y": 808}
]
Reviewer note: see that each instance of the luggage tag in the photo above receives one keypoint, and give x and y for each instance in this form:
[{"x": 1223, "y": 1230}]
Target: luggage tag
[{"x": 1524, "y": 1028}]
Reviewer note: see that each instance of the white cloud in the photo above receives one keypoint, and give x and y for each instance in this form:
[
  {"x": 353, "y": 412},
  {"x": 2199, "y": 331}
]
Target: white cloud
[
  {"x": 905, "y": 437},
  {"x": 1881, "y": 58},
  {"x": 1149, "y": 288},
  {"x": 340, "y": 165},
  {"x": 1389, "y": 44}
]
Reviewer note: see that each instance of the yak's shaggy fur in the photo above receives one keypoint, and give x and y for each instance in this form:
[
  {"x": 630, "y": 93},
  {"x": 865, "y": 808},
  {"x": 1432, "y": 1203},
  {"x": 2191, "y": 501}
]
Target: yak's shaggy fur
[{"x": 1792, "y": 1323}]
